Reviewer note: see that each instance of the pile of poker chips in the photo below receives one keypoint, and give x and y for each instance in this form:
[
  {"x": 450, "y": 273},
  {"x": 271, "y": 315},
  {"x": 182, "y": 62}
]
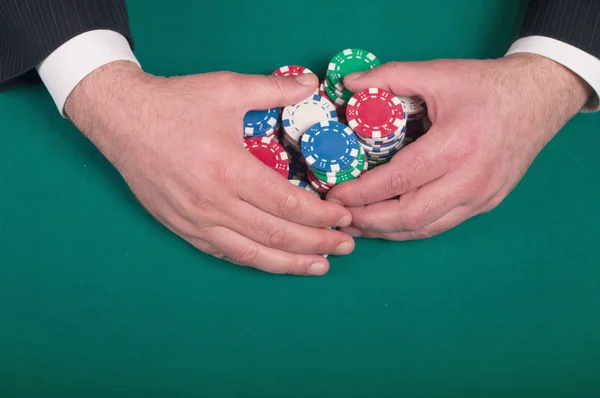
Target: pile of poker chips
[
  {"x": 379, "y": 121},
  {"x": 333, "y": 155},
  {"x": 371, "y": 118},
  {"x": 295, "y": 120}
]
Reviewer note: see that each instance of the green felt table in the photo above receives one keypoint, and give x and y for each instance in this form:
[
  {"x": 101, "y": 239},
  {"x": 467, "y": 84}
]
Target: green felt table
[{"x": 98, "y": 299}]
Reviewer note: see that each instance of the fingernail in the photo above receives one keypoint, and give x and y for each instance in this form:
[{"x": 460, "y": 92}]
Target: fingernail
[
  {"x": 344, "y": 221},
  {"x": 317, "y": 269},
  {"x": 354, "y": 76},
  {"x": 306, "y": 80},
  {"x": 344, "y": 248}
]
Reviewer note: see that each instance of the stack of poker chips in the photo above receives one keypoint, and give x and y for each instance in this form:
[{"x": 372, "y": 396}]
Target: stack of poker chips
[
  {"x": 416, "y": 118},
  {"x": 262, "y": 123},
  {"x": 270, "y": 152},
  {"x": 344, "y": 63},
  {"x": 295, "y": 120},
  {"x": 379, "y": 121},
  {"x": 333, "y": 155}
]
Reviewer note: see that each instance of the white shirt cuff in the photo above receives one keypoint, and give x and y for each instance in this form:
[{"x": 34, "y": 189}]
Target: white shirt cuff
[
  {"x": 581, "y": 63},
  {"x": 69, "y": 64}
]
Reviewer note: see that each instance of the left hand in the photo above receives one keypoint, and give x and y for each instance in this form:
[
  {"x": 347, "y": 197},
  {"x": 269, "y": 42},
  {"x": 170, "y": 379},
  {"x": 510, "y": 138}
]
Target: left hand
[{"x": 490, "y": 120}]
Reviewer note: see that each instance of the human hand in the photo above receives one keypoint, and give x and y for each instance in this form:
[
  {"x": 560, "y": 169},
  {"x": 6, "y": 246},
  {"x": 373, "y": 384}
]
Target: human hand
[
  {"x": 490, "y": 120},
  {"x": 178, "y": 144}
]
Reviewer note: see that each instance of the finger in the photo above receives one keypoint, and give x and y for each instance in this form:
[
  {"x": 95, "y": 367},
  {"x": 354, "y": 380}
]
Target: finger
[
  {"x": 414, "y": 210},
  {"x": 240, "y": 250},
  {"x": 265, "y": 92},
  {"x": 277, "y": 233},
  {"x": 265, "y": 189},
  {"x": 419, "y": 163},
  {"x": 401, "y": 78},
  {"x": 455, "y": 217}
]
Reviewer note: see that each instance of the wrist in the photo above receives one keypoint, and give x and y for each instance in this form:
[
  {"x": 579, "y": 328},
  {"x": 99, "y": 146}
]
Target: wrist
[
  {"x": 105, "y": 101},
  {"x": 552, "y": 84}
]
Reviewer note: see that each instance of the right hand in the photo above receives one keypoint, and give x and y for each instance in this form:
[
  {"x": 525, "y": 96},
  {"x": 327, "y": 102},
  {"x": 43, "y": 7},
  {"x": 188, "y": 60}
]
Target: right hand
[{"x": 178, "y": 144}]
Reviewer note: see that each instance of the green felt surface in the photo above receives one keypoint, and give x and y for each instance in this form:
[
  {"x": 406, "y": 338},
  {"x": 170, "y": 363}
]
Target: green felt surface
[{"x": 98, "y": 300}]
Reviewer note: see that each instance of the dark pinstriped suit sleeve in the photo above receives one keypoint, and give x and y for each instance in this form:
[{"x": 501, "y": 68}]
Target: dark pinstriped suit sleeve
[
  {"x": 30, "y": 30},
  {"x": 576, "y": 22}
]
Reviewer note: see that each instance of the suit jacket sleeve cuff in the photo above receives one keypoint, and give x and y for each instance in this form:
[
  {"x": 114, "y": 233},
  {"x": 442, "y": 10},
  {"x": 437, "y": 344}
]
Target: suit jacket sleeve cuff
[
  {"x": 580, "y": 62},
  {"x": 69, "y": 64}
]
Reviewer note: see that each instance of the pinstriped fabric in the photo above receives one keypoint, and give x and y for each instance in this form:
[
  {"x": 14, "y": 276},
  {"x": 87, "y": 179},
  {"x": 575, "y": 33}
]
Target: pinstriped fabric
[
  {"x": 576, "y": 22},
  {"x": 31, "y": 29}
]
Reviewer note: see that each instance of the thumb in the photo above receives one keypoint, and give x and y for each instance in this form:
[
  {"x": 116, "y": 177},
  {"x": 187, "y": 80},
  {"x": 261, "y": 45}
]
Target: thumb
[
  {"x": 265, "y": 92},
  {"x": 401, "y": 78}
]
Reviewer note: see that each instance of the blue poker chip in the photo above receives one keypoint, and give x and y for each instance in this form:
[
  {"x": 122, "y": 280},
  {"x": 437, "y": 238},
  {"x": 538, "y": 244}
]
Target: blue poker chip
[
  {"x": 329, "y": 146},
  {"x": 258, "y": 123}
]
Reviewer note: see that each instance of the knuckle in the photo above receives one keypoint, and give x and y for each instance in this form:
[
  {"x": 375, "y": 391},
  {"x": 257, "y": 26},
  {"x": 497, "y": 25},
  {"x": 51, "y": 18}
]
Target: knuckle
[
  {"x": 294, "y": 267},
  {"x": 397, "y": 184},
  {"x": 492, "y": 204},
  {"x": 390, "y": 67},
  {"x": 209, "y": 249},
  {"x": 479, "y": 182},
  {"x": 245, "y": 254},
  {"x": 327, "y": 242},
  {"x": 413, "y": 222},
  {"x": 287, "y": 205},
  {"x": 224, "y": 175},
  {"x": 225, "y": 77},
  {"x": 277, "y": 237}
]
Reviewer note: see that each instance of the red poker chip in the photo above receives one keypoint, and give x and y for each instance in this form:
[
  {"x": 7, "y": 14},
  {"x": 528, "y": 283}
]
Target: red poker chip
[
  {"x": 375, "y": 113},
  {"x": 270, "y": 152},
  {"x": 292, "y": 70},
  {"x": 321, "y": 186}
]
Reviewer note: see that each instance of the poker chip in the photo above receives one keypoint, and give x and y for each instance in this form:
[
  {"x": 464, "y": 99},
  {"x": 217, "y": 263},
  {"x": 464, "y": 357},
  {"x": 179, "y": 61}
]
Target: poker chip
[
  {"x": 297, "y": 118},
  {"x": 414, "y": 107},
  {"x": 379, "y": 121},
  {"x": 270, "y": 153},
  {"x": 335, "y": 97},
  {"x": 318, "y": 185},
  {"x": 353, "y": 171},
  {"x": 375, "y": 113},
  {"x": 350, "y": 61},
  {"x": 292, "y": 70},
  {"x": 329, "y": 146},
  {"x": 340, "y": 111},
  {"x": 261, "y": 122}
]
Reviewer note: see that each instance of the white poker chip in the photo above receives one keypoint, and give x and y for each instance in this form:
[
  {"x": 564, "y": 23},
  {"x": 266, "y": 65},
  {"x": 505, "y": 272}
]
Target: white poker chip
[{"x": 297, "y": 118}]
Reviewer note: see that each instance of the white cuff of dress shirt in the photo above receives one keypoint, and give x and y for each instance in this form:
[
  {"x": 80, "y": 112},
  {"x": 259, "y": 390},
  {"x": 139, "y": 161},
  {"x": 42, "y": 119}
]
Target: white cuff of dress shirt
[
  {"x": 581, "y": 63},
  {"x": 69, "y": 64}
]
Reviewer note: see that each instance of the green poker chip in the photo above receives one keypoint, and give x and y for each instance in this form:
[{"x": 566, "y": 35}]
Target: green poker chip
[
  {"x": 349, "y": 61},
  {"x": 349, "y": 173}
]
